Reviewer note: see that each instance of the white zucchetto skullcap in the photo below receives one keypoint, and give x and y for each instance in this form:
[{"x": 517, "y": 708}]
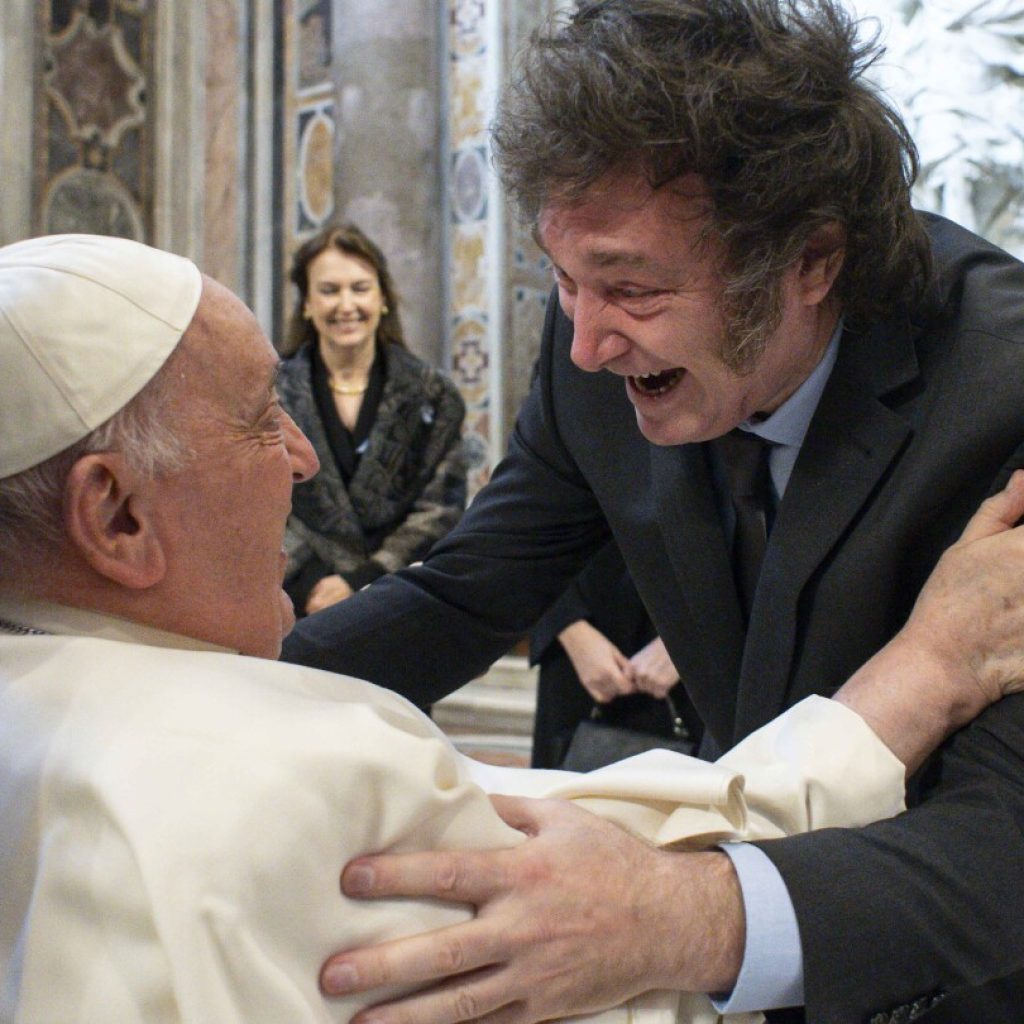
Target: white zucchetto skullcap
[{"x": 86, "y": 322}]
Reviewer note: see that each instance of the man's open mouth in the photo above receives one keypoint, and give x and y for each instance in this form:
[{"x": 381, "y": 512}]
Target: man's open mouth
[{"x": 654, "y": 384}]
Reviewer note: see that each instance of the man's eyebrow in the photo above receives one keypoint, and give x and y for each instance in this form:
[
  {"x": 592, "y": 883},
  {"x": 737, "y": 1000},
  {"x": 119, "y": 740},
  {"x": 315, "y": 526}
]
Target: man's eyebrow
[
  {"x": 614, "y": 258},
  {"x": 608, "y": 257}
]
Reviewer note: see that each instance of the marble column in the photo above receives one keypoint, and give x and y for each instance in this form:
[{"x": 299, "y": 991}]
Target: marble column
[
  {"x": 384, "y": 66},
  {"x": 17, "y": 42},
  {"x": 475, "y": 228}
]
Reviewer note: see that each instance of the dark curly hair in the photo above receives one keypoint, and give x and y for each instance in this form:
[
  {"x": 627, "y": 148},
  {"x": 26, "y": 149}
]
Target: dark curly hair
[
  {"x": 349, "y": 239},
  {"x": 765, "y": 100}
]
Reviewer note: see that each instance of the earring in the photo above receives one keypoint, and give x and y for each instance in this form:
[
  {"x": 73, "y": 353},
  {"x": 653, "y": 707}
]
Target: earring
[
  {"x": 306, "y": 315},
  {"x": 385, "y": 309}
]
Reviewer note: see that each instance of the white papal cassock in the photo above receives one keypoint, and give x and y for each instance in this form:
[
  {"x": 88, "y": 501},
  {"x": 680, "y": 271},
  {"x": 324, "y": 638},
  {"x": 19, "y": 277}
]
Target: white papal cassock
[{"x": 175, "y": 820}]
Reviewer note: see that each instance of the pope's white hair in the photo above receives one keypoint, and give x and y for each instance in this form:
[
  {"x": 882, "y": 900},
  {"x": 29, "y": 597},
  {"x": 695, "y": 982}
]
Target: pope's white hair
[{"x": 32, "y": 502}]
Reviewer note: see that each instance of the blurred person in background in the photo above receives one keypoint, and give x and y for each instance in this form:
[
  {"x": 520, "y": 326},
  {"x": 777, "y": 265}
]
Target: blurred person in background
[
  {"x": 601, "y": 660},
  {"x": 385, "y": 426}
]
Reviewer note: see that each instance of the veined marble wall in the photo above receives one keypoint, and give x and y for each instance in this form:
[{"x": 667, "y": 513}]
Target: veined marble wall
[
  {"x": 366, "y": 127},
  {"x": 17, "y": 69}
]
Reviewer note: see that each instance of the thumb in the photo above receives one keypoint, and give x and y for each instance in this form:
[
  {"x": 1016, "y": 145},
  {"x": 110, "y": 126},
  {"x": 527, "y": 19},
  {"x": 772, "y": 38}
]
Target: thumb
[
  {"x": 998, "y": 513},
  {"x": 518, "y": 812},
  {"x": 533, "y": 816}
]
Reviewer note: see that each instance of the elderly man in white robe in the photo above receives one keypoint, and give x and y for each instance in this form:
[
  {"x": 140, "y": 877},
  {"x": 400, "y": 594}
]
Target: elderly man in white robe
[{"x": 177, "y": 807}]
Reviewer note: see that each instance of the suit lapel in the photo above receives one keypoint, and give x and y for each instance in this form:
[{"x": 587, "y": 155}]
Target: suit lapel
[{"x": 851, "y": 442}]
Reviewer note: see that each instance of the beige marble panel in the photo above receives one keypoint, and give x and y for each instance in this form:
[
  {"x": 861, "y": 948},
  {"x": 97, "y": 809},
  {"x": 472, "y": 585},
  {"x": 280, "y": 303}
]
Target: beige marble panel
[
  {"x": 387, "y": 148},
  {"x": 17, "y": 27},
  {"x": 179, "y": 101},
  {"x": 222, "y": 207},
  {"x": 528, "y": 275}
]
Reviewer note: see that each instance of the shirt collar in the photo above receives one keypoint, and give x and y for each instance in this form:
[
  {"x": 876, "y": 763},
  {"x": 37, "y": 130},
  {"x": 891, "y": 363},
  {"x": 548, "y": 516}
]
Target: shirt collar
[
  {"x": 788, "y": 424},
  {"x": 63, "y": 620}
]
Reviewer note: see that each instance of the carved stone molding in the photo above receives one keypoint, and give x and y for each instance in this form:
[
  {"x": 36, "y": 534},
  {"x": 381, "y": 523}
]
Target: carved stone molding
[{"x": 93, "y": 132}]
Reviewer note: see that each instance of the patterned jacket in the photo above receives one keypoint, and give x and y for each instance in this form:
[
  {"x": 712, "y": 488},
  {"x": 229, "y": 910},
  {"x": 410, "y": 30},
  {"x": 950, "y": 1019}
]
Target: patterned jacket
[{"x": 409, "y": 488}]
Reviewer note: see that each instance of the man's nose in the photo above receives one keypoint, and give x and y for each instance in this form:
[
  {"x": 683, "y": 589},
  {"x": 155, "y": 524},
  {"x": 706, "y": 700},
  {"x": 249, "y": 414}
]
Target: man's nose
[
  {"x": 305, "y": 464},
  {"x": 595, "y": 340}
]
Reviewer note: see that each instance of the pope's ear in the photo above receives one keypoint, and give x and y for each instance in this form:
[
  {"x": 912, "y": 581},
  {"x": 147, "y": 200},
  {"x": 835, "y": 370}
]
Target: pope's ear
[
  {"x": 107, "y": 519},
  {"x": 821, "y": 262}
]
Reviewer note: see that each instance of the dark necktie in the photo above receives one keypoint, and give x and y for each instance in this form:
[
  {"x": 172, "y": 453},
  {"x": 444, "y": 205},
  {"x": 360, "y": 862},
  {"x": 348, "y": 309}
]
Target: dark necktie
[{"x": 744, "y": 458}]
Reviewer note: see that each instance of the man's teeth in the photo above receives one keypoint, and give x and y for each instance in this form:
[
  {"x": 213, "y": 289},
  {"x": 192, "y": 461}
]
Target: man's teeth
[{"x": 657, "y": 383}]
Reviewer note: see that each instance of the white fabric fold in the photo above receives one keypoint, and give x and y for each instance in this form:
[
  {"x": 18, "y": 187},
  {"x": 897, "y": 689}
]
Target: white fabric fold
[
  {"x": 175, "y": 823},
  {"x": 816, "y": 766}
]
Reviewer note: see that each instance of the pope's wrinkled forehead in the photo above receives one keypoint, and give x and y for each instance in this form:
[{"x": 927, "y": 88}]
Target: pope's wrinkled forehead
[{"x": 86, "y": 322}]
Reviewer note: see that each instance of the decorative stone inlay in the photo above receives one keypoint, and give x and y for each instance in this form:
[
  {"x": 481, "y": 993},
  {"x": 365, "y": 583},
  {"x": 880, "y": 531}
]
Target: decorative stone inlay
[
  {"x": 471, "y": 359},
  {"x": 477, "y": 452},
  {"x": 94, "y": 81},
  {"x": 92, "y": 146},
  {"x": 474, "y": 54},
  {"x": 469, "y": 184},
  {"x": 314, "y": 42},
  {"x": 316, "y": 166},
  {"x": 467, "y": 18},
  {"x": 93, "y": 202}
]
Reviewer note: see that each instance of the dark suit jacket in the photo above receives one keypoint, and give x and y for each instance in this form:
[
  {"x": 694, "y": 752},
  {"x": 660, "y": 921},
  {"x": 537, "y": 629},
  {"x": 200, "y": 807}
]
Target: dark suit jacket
[
  {"x": 918, "y": 419},
  {"x": 408, "y": 490}
]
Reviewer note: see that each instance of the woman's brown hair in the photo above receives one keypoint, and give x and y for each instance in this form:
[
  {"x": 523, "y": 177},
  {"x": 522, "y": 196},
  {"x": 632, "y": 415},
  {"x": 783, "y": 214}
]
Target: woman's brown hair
[{"x": 349, "y": 239}]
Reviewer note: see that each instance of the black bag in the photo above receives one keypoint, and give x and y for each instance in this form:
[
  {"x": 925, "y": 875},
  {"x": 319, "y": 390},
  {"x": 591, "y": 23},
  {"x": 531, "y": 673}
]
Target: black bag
[{"x": 596, "y": 742}]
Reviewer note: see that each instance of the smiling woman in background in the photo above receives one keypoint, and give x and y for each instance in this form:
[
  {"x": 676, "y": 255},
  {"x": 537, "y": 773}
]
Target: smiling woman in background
[{"x": 385, "y": 425}]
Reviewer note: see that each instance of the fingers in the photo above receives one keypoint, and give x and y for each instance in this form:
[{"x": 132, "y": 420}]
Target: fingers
[
  {"x": 477, "y": 997},
  {"x": 652, "y": 669},
  {"x": 999, "y": 512},
  {"x": 658, "y": 688},
  {"x": 599, "y": 690},
  {"x": 415, "y": 960},
  {"x": 609, "y": 683},
  {"x": 454, "y": 876},
  {"x": 658, "y": 681}
]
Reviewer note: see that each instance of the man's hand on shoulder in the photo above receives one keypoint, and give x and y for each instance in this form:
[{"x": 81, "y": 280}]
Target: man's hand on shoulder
[
  {"x": 963, "y": 645},
  {"x": 580, "y": 917}
]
